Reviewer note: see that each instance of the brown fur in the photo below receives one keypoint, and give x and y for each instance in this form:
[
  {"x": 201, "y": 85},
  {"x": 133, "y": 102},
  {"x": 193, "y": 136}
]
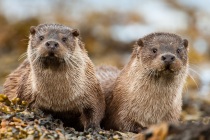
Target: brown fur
[
  {"x": 107, "y": 76},
  {"x": 63, "y": 84},
  {"x": 147, "y": 92}
]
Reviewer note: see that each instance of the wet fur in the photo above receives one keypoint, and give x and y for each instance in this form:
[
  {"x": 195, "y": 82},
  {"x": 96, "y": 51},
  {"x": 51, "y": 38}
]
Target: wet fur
[
  {"x": 69, "y": 91},
  {"x": 141, "y": 96},
  {"x": 107, "y": 76}
]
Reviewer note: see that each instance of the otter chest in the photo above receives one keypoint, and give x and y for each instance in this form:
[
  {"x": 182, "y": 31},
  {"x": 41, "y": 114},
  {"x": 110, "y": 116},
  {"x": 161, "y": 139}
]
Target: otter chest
[
  {"x": 153, "y": 113},
  {"x": 59, "y": 94},
  {"x": 153, "y": 108}
]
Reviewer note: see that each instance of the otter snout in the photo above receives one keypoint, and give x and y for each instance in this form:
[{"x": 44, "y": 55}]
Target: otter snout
[
  {"x": 52, "y": 45},
  {"x": 168, "y": 61},
  {"x": 168, "y": 58}
]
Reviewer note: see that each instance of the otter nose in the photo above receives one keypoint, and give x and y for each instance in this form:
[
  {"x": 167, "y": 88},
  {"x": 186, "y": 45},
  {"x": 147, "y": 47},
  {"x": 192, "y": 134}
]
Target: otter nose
[
  {"x": 51, "y": 45},
  {"x": 168, "y": 58}
]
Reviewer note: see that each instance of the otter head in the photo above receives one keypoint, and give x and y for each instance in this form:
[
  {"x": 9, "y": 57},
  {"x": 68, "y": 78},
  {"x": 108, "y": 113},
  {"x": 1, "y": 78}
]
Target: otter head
[
  {"x": 52, "y": 45},
  {"x": 162, "y": 53}
]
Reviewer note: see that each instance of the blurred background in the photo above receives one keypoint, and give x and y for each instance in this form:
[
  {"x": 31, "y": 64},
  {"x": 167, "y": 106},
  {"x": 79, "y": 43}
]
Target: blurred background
[{"x": 110, "y": 28}]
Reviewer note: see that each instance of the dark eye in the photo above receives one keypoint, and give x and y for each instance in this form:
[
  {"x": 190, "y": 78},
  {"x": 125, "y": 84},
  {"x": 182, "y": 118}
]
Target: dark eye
[
  {"x": 41, "y": 38},
  {"x": 178, "y": 50},
  {"x": 64, "y": 39},
  {"x": 154, "y": 50}
]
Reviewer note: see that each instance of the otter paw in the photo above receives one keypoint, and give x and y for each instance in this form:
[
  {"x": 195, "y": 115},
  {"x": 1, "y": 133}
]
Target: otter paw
[
  {"x": 137, "y": 128},
  {"x": 92, "y": 128}
]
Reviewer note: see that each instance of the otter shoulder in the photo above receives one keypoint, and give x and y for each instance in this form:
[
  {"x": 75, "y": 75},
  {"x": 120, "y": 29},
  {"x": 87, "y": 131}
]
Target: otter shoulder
[
  {"x": 13, "y": 80},
  {"x": 107, "y": 76},
  {"x": 107, "y": 73}
]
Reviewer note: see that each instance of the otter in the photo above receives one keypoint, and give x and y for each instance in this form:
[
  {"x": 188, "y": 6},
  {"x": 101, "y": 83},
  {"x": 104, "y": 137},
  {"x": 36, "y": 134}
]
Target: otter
[
  {"x": 58, "y": 77},
  {"x": 148, "y": 90},
  {"x": 107, "y": 76}
]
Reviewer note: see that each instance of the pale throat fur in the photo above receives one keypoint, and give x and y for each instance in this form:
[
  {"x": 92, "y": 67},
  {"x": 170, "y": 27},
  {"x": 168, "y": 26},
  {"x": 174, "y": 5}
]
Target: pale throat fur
[
  {"x": 146, "y": 87},
  {"x": 159, "y": 100},
  {"x": 69, "y": 82}
]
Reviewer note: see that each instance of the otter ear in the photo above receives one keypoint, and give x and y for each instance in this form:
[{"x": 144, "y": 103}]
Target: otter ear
[
  {"x": 185, "y": 43},
  {"x": 140, "y": 42},
  {"x": 32, "y": 30},
  {"x": 137, "y": 48},
  {"x": 137, "y": 52},
  {"x": 75, "y": 32}
]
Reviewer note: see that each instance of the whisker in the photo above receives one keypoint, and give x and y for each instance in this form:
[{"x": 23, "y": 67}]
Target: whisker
[
  {"x": 195, "y": 66},
  {"x": 185, "y": 88},
  {"x": 68, "y": 63},
  {"x": 195, "y": 72},
  {"x": 71, "y": 63},
  {"x": 37, "y": 58},
  {"x": 24, "y": 40},
  {"x": 25, "y": 54},
  {"x": 73, "y": 60},
  {"x": 193, "y": 80},
  {"x": 22, "y": 56}
]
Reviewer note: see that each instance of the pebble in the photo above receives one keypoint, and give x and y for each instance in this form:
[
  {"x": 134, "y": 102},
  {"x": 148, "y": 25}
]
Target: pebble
[{"x": 19, "y": 122}]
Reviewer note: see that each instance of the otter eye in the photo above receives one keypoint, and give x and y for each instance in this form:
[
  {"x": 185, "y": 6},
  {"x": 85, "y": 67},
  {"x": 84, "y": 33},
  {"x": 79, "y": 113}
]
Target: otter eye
[
  {"x": 154, "y": 50},
  {"x": 178, "y": 50},
  {"x": 64, "y": 39},
  {"x": 41, "y": 38}
]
